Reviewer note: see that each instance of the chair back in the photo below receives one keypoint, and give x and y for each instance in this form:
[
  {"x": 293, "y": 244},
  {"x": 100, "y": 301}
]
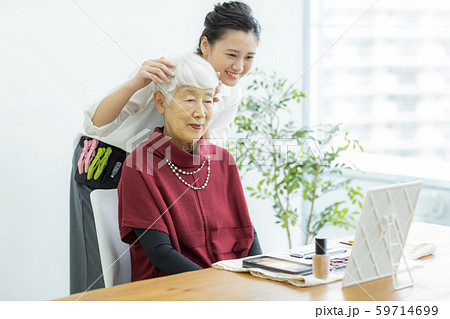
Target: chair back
[{"x": 114, "y": 253}]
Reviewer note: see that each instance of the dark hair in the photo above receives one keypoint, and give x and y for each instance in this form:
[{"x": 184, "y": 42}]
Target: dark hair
[{"x": 232, "y": 15}]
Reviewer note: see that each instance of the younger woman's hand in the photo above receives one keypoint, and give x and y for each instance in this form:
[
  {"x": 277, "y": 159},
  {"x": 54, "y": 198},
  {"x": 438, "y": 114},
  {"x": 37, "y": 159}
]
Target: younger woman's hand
[
  {"x": 152, "y": 70},
  {"x": 216, "y": 98}
]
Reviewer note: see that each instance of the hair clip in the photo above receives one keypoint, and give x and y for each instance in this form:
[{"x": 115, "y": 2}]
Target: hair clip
[
  {"x": 82, "y": 158},
  {"x": 95, "y": 162},
  {"x": 90, "y": 155},
  {"x": 102, "y": 163}
]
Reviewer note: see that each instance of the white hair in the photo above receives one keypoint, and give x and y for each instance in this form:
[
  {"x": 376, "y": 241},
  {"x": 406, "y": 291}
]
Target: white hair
[{"x": 190, "y": 70}]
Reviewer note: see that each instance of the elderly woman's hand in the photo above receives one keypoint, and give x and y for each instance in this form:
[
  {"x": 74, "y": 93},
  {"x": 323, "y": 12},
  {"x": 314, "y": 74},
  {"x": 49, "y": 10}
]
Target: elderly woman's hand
[{"x": 152, "y": 70}]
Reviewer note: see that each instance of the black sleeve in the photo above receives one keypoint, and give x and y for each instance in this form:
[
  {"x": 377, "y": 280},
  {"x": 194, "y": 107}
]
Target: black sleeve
[
  {"x": 255, "y": 249},
  {"x": 160, "y": 252}
]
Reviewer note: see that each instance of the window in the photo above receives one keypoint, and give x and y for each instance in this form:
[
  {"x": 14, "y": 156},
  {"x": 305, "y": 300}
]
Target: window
[
  {"x": 384, "y": 73},
  {"x": 387, "y": 76}
]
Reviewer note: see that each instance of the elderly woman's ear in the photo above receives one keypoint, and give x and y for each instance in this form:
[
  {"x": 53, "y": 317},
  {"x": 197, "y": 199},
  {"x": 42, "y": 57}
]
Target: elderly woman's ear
[{"x": 160, "y": 101}]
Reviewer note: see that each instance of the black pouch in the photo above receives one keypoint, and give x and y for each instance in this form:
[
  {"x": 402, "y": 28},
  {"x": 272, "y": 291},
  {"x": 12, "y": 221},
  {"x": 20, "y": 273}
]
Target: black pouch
[{"x": 110, "y": 177}]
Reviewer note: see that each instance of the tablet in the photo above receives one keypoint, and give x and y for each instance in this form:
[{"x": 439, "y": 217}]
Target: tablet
[{"x": 277, "y": 265}]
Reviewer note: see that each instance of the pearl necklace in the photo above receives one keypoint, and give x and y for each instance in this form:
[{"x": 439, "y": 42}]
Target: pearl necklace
[{"x": 177, "y": 170}]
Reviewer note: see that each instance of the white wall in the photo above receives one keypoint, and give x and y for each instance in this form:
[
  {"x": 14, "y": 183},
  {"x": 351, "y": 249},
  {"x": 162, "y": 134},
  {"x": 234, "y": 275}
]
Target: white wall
[{"x": 54, "y": 59}]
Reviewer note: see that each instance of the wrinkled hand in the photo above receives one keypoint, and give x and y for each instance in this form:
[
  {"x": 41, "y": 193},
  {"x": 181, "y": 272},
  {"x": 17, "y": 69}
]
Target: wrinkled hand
[{"x": 152, "y": 70}]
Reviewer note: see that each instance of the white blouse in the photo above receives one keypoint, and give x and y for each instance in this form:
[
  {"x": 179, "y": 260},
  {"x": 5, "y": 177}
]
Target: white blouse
[{"x": 140, "y": 116}]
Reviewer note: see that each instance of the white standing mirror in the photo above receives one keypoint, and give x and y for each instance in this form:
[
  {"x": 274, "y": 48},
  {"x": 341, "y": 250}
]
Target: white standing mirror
[{"x": 381, "y": 233}]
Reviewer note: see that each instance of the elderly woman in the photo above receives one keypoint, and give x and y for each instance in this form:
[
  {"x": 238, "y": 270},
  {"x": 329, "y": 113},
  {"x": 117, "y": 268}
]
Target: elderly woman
[{"x": 181, "y": 203}]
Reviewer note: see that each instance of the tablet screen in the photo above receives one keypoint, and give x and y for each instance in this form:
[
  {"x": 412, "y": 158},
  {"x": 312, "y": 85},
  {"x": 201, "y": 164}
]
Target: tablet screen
[{"x": 273, "y": 263}]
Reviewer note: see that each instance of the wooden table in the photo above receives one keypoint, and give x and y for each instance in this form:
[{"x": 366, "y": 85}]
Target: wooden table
[{"x": 213, "y": 284}]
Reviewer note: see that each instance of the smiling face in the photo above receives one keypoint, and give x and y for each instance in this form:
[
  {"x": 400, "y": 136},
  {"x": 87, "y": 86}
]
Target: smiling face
[
  {"x": 187, "y": 117},
  {"x": 232, "y": 55}
]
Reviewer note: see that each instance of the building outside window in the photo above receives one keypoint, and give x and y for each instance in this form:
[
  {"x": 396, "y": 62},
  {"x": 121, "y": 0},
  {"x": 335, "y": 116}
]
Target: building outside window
[{"x": 382, "y": 69}]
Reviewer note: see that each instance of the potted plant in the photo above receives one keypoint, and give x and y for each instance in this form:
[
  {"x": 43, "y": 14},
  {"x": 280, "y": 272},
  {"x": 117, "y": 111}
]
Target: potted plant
[{"x": 293, "y": 162}]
